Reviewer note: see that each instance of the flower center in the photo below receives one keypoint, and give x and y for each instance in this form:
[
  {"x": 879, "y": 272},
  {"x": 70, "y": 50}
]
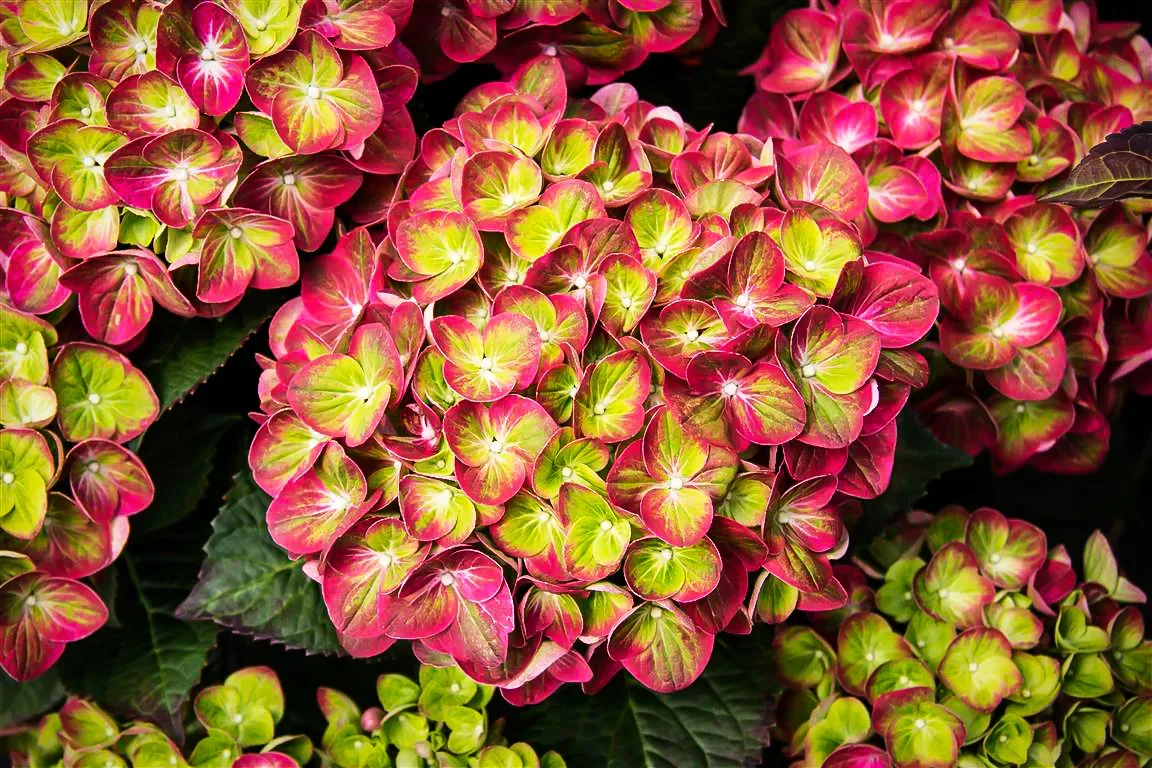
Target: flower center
[
  {"x": 580, "y": 282},
  {"x": 730, "y": 389},
  {"x": 566, "y": 473},
  {"x": 655, "y": 612},
  {"x": 608, "y": 186},
  {"x": 808, "y": 371},
  {"x": 742, "y": 300},
  {"x": 289, "y": 180},
  {"x": 605, "y": 525},
  {"x": 550, "y": 50},
  {"x": 207, "y": 55},
  {"x": 93, "y": 467},
  {"x": 665, "y": 554},
  {"x": 676, "y": 483},
  {"x": 691, "y": 334},
  {"x": 170, "y": 111},
  {"x": 86, "y": 112},
  {"x": 8, "y": 478},
  {"x": 21, "y": 348},
  {"x": 599, "y": 409},
  {"x": 313, "y": 92},
  {"x": 486, "y": 364},
  {"x": 140, "y": 46},
  {"x": 94, "y": 398},
  {"x": 131, "y": 270},
  {"x": 920, "y": 723},
  {"x": 447, "y": 580},
  {"x": 88, "y": 161},
  {"x": 235, "y": 233},
  {"x": 959, "y": 265}
]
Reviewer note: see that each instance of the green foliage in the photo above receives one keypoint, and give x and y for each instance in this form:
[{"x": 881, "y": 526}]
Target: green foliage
[
  {"x": 717, "y": 722},
  {"x": 21, "y": 701},
  {"x": 180, "y": 452},
  {"x": 147, "y": 667},
  {"x": 182, "y": 353},
  {"x": 251, "y": 586}
]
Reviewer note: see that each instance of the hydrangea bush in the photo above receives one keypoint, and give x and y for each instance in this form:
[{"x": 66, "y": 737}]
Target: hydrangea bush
[
  {"x": 68, "y": 484},
  {"x": 972, "y": 644},
  {"x": 585, "y": 345},
  {"x": 951, "y": 126},
  {"x": 440, "y": 721},
  {"x": 564, "y": 386}
]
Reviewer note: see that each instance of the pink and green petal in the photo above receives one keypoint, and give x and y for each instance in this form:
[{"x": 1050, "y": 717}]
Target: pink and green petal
[
  {"x": 978, "y": 668},
  {"x": 609, "y": 405},
  {"x": 373, "y": 558},
  {"x": 660, "y": 647},
  {"x": 951, "y": 587},
  {"x": 101, "y": 394},
  {"x": 311, "y": 511},
  {"x": 107, "y": 480}
]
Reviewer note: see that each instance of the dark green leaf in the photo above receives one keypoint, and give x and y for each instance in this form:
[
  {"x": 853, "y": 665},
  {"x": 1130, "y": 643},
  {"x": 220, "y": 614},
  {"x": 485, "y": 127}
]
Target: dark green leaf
[
  {"x": 147, "y": 668},
  {"x": 920, "y": 458},
  {"x": 717, "y": 722},
  {"x": 181, "y": 353},
  {"x": 251, "y": 586},
  {"x": 178, "y": 452},
  {"x": 24, "y": 701},
  {"x": 1118, "y": 168}
]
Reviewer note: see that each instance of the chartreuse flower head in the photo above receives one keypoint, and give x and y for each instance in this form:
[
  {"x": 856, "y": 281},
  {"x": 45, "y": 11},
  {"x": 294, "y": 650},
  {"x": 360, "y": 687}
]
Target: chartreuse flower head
[
  {"x": 439, "y": 721},
  {"x": 981, "y": 651}
]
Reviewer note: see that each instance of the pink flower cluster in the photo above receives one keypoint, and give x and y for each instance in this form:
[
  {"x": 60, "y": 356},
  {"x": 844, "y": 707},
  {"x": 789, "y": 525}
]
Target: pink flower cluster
[
  {"x": 588, "y": 340},
  {"x": 68, "y": 484},
  {"x": 180, "y": 154},
  {"x": 957, "y": 123}
]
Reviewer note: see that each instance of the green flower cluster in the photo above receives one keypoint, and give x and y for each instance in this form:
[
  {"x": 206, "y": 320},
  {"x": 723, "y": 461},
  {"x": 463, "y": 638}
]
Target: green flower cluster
[
  {"x": 984, "y": 652},
  {"x": 439, "y": 722}
]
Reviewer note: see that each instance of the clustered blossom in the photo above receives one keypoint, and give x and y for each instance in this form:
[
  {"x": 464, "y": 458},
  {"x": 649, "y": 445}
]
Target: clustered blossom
[
  {"x": 984, "y": 652},
  {"x": 440, "y": 721},
  {"x": 68, "y": 484},
  {"x": 958, "y": 120},
  {"x": 182, "y": 154},
  {"x": 593, "y": 377}
]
